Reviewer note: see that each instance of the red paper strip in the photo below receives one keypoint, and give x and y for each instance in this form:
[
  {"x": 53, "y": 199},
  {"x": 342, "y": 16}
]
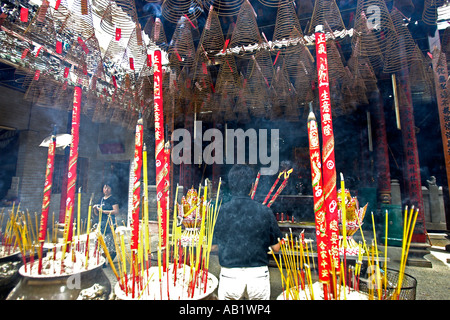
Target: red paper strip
[
  {"x": 114, "y": 81},
  {"x": 37, "y": 73},
  {"x": 131, "y": 63},
  {"x": 24, "y": 53},
  {"x": 59, "y": 47},
  {"x": 24, "y": 14},
  {"x": 83, "y": 45},
  {"x": 328, "y": 160},
  {"x": 58, "y": 2},
  {"x": 118, "y": 34},
  {"x": 225, "y": 45},
  {"x": 66, "y": 72},
  {"x": 38, "y": 51}
]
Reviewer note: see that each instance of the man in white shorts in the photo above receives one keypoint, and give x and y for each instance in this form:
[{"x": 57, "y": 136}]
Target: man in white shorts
[{"x": 244, "y": 231}]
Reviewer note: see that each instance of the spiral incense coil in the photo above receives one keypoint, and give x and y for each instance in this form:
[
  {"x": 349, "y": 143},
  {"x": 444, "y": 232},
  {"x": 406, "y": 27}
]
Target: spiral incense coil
[
  {"x": 227, "y": 83},
  {"x": 336, "y": 68},
  {"x": 202, "y": 83},
  {"x": 261, "y": 63},
  {"x": 225, "y": 8},
  {"x": 407, "y": 50},
  {"x": 182, "y": 43},
  {"x": 156, "y": 33},
  {"x": 173, "y": 10},
  {"x": 430, "y": 12},
  {"x": 287, "y": 26},
  {"x": 212, "y": 41},
  {"x": 281, "y": 95},
  {"x": 326, "y": 13},
  {"x": 246, "y": 37},
  {"x": 377, "y": 32},
  {"x": 80, "y": 20},
  {"x": 41, "y": 29},
  {"x": 118, "y": 21},
  {"x": 365, "y": 43}
]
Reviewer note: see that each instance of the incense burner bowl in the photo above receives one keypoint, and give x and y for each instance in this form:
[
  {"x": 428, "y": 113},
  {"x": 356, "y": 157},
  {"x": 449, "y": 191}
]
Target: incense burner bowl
[
  {"x": 9, "y": 273},
  {"x": 174, "y": 285},
  {"x": 62, "y": 287}
]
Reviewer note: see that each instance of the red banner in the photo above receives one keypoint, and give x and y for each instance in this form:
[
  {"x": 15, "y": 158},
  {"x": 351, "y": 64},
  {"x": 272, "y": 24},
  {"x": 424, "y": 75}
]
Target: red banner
[
  {"x": 138, "y": 143},
  {"x": 73, "y": 158},
  {"x": 329, "y": 164},
  {"x": 319, "y": 209},
  {"x": 162, "y": 162}
]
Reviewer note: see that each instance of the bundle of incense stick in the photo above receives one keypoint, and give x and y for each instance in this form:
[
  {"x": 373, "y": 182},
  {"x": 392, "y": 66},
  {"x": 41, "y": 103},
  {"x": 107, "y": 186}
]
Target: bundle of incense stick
[
  {"x": 296, "y": 271},
  {"x": 22, "y": 232},
  {"x": 187, "y": 265}
]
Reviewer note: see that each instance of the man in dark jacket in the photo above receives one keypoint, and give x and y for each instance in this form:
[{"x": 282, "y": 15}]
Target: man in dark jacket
[{"x": 244, "y": 232}]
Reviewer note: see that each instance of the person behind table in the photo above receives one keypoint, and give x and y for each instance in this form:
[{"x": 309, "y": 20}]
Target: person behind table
[
  {"x": 244, "y": 231},
  {"x": 110, "y": 208}
]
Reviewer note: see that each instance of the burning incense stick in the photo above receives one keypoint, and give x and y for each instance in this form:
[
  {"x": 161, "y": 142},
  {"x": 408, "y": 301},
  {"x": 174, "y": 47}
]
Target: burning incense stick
[{"x": 273, "y": 187}]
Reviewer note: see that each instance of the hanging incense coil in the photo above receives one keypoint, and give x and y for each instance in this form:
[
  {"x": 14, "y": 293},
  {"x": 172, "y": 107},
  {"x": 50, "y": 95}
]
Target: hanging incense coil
[
  {"x": 225, "y": 8},
  {"x": 282, "y": 94},
  {"x": 373, "y": 18},
  {"x": 246, "y": 37},
  {"x": 365, "y": 43},
  {"x": 80, "y": 20},
  {"x": 155, "y": 30},
  {"x": 41, "y": 29},
  {"x": 261, "y": 63},
  {"x": 119, "y": 21},
  {"x": 420, "y": 80},
  {"x": 227, "y": 83},
  {"x": 336, "y": 70},
  {"x": 430, "y": 11},
  {"x": 287, "y": 26},
  {"x": 212, "y": 41},
  {"x": 407, "y": 49},
  {"x": 326, "y": 13},
  {"x": 173, "y": 10},
  {"x": 182, "y": 43}
]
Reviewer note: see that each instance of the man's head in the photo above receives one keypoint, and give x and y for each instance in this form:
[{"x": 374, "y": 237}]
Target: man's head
[{"x": 240, "y": 179}]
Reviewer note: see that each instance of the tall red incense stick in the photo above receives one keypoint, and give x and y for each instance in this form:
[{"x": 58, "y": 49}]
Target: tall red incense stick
[
  {"x": 161, "y": 162},
  {"x": 72, "y": 171},
  {"x": 329, "y": 164},
  {"x": 47, "y": 194},
  {"x": 319, "y": 210},
  {"x": 138, "y": 143}
]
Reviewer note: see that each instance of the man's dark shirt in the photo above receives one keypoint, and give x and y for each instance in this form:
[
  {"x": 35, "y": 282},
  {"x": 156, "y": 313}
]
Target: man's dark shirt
[{"x": 244, "y": 231}]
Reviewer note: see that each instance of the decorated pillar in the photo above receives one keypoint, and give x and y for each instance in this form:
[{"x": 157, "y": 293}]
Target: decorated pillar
[
  {"x": 443, "y": 101},
  {"x": 328, "y": 160},
  {"x": 383, "y": 172},
  {"x": 411, "y": 167}
]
